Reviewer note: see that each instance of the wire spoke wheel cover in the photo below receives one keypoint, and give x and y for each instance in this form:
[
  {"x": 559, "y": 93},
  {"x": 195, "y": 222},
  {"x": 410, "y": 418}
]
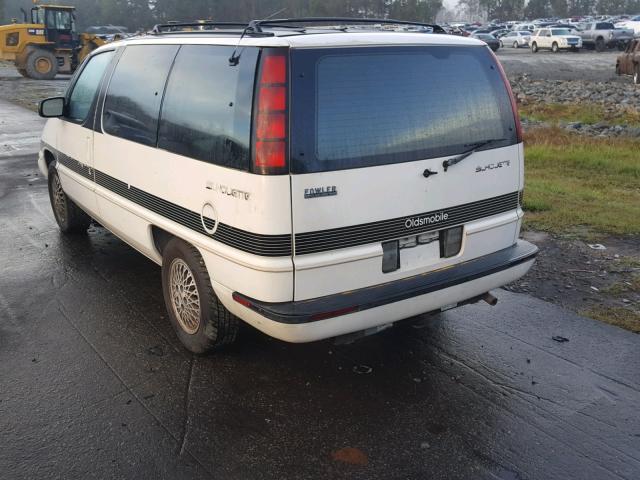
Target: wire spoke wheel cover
[
  {"x": 185, "y": 299},
  {"x": 59, "y": 200}
]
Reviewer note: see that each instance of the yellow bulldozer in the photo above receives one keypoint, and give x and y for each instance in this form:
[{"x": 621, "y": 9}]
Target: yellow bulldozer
[{"x": 48, "y": 45}]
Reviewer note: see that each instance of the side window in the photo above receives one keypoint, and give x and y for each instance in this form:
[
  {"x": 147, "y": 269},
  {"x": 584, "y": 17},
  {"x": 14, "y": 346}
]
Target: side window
[
  {"x": 134, "y": 95},
  {"x": 206, "y": 112},
  {"x": 85, "y": 88}
]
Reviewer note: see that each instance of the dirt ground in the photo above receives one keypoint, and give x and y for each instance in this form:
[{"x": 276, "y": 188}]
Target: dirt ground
[
  {"x": 580, "y": 276},
  {"x": 568, "y": 272},
  {"x": 25, "y": 91}
]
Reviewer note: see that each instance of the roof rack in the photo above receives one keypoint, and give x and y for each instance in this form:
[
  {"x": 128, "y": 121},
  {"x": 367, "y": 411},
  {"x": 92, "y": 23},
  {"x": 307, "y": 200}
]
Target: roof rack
[
  {"x": 257, "y": 27},
  {"x": 208, "y": 27}
]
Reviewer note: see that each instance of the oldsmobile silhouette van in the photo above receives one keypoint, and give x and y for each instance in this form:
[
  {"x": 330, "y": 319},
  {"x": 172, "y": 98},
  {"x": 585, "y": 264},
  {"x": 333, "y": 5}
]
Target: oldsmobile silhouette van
[{"x": 309, "y": 180}]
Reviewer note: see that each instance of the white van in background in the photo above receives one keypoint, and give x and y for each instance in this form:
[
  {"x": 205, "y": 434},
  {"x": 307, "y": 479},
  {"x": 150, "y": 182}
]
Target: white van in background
[{"x": 310, "y": 180}]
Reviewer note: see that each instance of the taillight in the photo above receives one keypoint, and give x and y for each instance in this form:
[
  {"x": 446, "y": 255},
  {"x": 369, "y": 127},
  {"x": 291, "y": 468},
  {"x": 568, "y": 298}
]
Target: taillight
[
  {"x": 270, "y": 114},
  {"x": 514, "y": 106}
]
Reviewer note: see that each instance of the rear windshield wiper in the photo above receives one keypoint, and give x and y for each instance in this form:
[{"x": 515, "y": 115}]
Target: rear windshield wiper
[{"x": 474, "y": 148}]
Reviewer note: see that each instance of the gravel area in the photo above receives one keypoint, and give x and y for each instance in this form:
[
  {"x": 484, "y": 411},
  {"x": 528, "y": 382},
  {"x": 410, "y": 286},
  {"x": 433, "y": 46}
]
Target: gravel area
[
  {"x": 592, "y": 66},
  {"x": 25, "y": 91}
]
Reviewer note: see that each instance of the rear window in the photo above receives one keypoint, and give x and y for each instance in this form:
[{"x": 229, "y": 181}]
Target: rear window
[{"x": 360, "y": 107}]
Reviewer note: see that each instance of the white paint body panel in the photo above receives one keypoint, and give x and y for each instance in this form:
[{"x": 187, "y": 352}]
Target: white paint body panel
[{"x": 391, "y": 191}]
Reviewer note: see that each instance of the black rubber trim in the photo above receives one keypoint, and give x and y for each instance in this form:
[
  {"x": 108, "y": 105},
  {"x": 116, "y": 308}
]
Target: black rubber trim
[
  {"x": 394, "y": 228},
  {"x": 307, "y": 311},
  {"x": 255, "y": 243}
]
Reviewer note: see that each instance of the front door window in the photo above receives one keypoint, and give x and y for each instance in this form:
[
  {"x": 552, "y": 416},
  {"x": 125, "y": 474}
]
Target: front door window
[{"x": 84, "y": 91}]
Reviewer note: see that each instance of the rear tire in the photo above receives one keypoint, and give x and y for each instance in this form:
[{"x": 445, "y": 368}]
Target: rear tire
[
  {"x": 554, "y": 47},
  {"x": 516, "y": 45},
  {"x": 534, "y": 47},
  {"x": 41, "y": 65},
  {"x": 69, "y": 217},
  {"x": 200, "y": 320}
]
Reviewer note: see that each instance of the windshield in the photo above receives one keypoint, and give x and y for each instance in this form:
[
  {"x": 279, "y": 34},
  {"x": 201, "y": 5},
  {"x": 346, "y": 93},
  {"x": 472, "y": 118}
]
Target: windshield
[
  {"x": 527, "y": 34},
  {"x": 59, "y": 19},
  {"x": 560, "y": 31},
  {"x": 361, "y": 107}
]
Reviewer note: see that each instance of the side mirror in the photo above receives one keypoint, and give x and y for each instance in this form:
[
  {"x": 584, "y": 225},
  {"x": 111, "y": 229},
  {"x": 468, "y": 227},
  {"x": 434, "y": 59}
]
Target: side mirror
[{"x": 51, "y": 107}]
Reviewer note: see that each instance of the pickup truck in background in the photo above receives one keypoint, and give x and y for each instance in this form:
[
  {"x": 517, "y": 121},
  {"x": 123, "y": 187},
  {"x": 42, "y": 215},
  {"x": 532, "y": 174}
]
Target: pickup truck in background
[{"x": 603, "y": 35}]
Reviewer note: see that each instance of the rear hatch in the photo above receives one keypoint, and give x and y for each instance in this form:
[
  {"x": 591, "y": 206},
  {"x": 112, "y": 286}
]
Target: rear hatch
[{"x": 370, "y": 130}]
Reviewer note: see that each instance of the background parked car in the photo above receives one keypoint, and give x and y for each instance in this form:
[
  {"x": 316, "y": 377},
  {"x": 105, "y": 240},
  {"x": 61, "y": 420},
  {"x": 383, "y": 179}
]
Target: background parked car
[
  {"x": 629, "y": 62},
  {"x": 555, "y": 39},
  {"x": 516, "y": 39},
  {"x": 493, "y": 42}
]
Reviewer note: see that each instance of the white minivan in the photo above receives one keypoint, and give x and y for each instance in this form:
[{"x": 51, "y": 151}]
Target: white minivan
[{"x": 310, "y": 180}]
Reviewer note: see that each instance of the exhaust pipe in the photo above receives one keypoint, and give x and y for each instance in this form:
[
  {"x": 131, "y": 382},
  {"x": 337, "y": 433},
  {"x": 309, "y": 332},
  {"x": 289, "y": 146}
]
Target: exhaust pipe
[{"x": 490, "y": 299}]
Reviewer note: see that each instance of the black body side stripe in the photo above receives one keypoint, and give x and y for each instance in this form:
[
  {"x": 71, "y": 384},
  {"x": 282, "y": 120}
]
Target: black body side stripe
[
  {"x": 307, "y": 242},
  {"x": 318, "y": 241},
  {"x": 258, "y": 244}
]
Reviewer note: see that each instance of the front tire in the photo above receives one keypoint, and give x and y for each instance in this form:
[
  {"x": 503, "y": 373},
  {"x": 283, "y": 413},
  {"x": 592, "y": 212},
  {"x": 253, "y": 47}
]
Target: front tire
[
  {"x": 554, "y": 47},
  {"x": 200, "y": 320},
  {"x": 69, "y": 217},
  {"x": 516, "y": 45},
  {"x": 41, "y": 65},
  {"x": 534, "y": 47}
]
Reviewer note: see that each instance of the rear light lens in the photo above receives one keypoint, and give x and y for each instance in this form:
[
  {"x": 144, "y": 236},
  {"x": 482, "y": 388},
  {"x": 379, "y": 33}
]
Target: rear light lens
[
  {"x": 512, "y": 98},
  {"x": 450, "y": 242},
  {"x": 270, "y": 113},
  {"x": 269, "y": 156}
]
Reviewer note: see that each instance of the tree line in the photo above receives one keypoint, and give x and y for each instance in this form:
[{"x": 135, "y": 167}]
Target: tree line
[
  {"x": 532, "y": 9},
  {"x": 137, "y": 14}
]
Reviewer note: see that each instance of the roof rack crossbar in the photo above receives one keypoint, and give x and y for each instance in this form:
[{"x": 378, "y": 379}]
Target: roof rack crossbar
[{"x": 257, "y": 25}]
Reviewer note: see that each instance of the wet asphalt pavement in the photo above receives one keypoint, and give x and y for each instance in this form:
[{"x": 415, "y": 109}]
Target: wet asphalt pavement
[{"x": 94, "y": 384}]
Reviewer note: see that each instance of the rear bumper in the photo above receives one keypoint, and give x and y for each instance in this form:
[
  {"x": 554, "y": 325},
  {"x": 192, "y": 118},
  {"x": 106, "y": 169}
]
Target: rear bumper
[{"x": 347, "y": 312}]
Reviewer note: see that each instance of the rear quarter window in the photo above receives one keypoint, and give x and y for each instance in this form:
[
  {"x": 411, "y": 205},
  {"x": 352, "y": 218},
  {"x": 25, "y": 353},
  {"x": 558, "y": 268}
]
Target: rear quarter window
[
  {"x": 206, "y": 112},
  {"x": 360, "y": 107},
  {"x": 135, "y": 92}
]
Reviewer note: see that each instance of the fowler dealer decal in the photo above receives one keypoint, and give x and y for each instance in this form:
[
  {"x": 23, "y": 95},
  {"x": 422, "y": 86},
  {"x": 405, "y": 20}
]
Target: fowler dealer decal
[
  {"x": 328, "y": 191},
  {"x": 427, "y": 220}
]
